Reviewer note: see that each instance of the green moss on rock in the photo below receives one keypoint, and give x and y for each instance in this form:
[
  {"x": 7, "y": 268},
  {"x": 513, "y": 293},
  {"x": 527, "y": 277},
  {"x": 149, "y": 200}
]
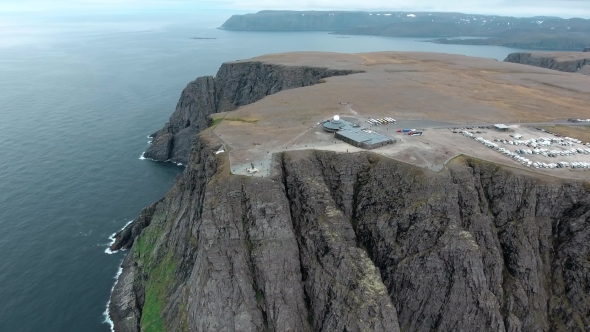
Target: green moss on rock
[
  {"x": 156, "y": 292},
  {"x": 158, "y": 269}
]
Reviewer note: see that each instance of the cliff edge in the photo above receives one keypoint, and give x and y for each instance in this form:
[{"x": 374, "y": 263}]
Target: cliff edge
[
  {"x": 571, "y": 62},
  {"x": 236, "y": 84},
  {"x": 353, "y": 242}
]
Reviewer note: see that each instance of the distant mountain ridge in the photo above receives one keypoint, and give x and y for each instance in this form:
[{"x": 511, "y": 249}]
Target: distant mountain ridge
[
  {"x": 270, "y": 20},
  {"x": 549, "y": 33}
]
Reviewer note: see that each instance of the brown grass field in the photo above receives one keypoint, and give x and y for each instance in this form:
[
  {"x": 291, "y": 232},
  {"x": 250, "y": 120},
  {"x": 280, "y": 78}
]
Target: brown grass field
[
  {"x": 579, "y": 132},
  {"x": 452, "y": 89}
]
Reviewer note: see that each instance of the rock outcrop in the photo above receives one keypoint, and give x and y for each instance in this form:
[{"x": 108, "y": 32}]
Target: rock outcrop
[
  {"x": 569, "y": 63},
  {"x": 354, "y": 242},
  {"x": 236, "y": 84}
]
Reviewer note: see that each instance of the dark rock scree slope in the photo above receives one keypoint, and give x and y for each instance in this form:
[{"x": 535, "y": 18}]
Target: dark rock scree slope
[
  {"x": 356, "y": 242},
  {"x": 236, "y": 84}
]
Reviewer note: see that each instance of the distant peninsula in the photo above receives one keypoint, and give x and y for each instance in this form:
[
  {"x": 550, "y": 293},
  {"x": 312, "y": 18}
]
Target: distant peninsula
[{"x": 539, "y": 33}]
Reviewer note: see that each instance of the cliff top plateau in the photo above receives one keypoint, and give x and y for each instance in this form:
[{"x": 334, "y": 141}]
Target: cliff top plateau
[{"x": 425, "y": 91}]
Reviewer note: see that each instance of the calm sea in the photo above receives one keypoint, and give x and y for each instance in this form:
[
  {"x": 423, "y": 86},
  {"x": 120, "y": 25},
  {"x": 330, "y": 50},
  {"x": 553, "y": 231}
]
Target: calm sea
[{"x": 78, "y": 96}]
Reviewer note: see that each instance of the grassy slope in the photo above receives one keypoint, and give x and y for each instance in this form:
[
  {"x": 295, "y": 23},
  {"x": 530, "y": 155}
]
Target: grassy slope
[{"x": 159, "y": 270}]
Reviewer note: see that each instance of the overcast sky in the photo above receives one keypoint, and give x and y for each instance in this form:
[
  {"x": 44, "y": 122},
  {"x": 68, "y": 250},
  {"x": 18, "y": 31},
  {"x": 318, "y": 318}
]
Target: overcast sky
[{"x": 564, "y": 8}]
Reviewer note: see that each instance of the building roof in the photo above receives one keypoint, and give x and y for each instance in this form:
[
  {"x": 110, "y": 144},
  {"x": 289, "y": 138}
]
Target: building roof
[
  {"x": 339, "y": 124},
  {"x": 363, "y": 135},
  {"x": 354, "y": 132}
]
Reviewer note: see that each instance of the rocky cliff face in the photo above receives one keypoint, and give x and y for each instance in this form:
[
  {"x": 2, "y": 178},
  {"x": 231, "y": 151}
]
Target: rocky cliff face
[
  {"x": 236, "y": 84},
  {"x": 581, "y": 65},
  {"x": 346, "y": 242},
  {"x": 355, "y": 242}
]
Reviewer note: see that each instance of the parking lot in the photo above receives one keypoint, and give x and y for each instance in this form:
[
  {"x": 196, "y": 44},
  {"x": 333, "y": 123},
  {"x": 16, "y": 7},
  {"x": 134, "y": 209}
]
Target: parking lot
[{"x": 524, "y": 147}]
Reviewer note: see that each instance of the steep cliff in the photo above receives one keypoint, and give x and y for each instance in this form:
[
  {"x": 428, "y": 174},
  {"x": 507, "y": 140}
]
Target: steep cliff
[
  {"x": 236, "y": 84},
  {"x": 570, "y": 63},
  {"x": 347, "y": 241},
  {"x": 356, "y": 242}
]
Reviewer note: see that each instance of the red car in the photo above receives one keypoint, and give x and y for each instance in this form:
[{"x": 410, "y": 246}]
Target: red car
[{"x": 399, "y": 131}]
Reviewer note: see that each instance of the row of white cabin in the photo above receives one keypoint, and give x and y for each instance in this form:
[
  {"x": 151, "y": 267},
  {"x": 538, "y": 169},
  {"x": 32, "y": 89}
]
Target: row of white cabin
[
  {"x": 523, "y": 160},
  {"x": 553, "y": 153},
  {"x": 541, "y": 141},
  {"x": 563, "y": 164},
  {"x": 382, "y": 121}
]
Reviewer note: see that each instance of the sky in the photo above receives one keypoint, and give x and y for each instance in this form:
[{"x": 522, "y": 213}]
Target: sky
[{"x": 563, "y": 8}]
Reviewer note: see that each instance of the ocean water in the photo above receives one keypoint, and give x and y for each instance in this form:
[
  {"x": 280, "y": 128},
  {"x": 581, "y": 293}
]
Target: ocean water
[{"x": 78, "y": 97}]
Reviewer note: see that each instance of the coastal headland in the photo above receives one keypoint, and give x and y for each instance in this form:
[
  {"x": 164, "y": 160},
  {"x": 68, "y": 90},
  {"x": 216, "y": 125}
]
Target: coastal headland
[{"x": 433, "y": 232}]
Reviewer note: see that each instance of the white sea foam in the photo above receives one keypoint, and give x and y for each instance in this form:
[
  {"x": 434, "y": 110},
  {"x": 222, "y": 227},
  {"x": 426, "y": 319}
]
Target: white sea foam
[
  {"x": 112, "y": 238},
  {"x": 107, "y": 316},
  {"x": 108, "y": 250},
  {"x": 170, "y": 161},
  {"x": 166, "y": 161}
]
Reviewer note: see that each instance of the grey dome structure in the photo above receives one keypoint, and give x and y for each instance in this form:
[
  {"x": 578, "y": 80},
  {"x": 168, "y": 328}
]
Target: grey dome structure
[{"x": 354, "y": 135}]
